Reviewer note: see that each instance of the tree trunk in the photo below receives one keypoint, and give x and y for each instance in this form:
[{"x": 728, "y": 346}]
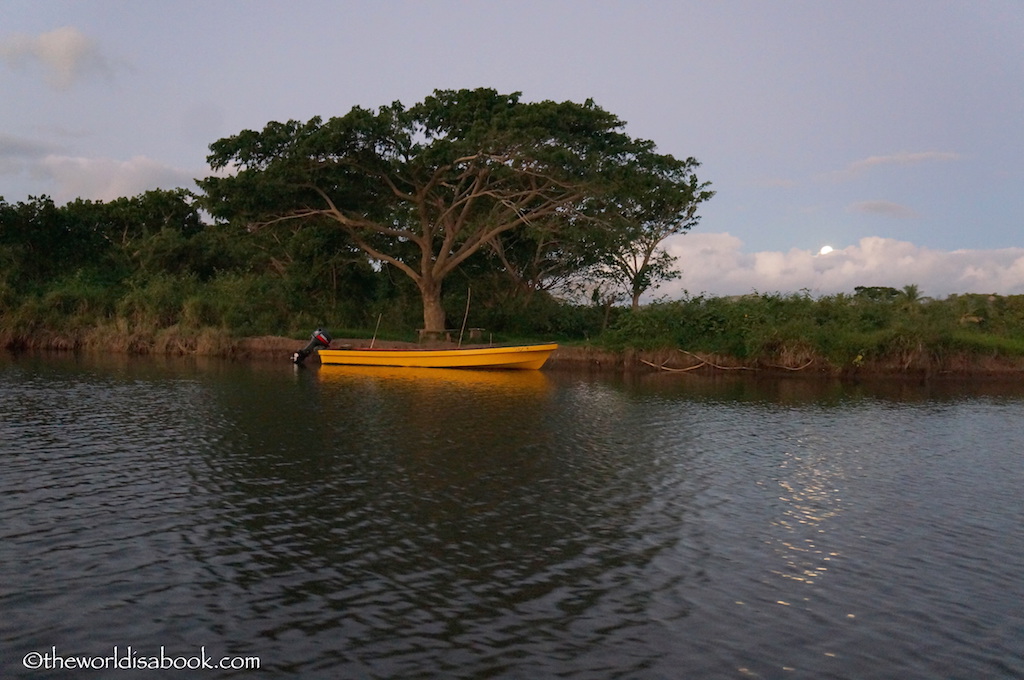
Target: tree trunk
[
  {"x": 636, "y": 299},
  {"x": 640, "y": 281},
  {"x": 433, "y": 312}
]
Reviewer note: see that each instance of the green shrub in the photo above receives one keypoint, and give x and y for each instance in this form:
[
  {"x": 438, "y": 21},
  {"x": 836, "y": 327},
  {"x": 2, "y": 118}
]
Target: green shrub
[{"x": 158, "y": 301}]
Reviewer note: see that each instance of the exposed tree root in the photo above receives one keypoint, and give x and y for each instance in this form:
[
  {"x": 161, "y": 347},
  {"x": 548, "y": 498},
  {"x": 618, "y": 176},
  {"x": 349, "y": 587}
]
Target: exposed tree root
[
  {"x": 721, "y": 368},
  {"x": 663, "y": 367},
  {"x": 790, "y": 368}
]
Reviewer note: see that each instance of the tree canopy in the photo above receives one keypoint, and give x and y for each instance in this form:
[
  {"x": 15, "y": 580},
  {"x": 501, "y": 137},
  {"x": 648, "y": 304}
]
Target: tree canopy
[
  {"x": 426, "y": 187},
  {"x": 651, "y": 205}
]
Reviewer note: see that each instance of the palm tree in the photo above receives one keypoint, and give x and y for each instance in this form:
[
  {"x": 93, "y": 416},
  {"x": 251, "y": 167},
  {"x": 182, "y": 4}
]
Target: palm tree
[{"x": 910, "y": 297}]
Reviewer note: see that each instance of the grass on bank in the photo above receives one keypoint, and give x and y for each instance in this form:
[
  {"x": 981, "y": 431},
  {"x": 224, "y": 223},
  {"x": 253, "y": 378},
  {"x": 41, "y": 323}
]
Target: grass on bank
[
  {"x": 184, "y": 315},
  {"x": 841, "y": 331}
]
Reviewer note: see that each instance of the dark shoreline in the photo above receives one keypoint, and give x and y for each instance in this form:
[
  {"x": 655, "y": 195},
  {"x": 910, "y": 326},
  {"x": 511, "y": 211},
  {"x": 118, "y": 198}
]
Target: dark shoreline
[{"x": 566, "y": 358}]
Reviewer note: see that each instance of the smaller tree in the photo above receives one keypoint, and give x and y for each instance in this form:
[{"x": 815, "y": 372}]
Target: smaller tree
[
  {"x": 49, "y": 241},
  {"x": 645, "y": 209},
  {"x": 876, "y": 293},
  {"x": 131, "y": 227}
]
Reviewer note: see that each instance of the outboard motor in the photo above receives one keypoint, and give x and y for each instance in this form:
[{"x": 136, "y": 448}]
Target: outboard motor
[{"x": 319, "y": 340}]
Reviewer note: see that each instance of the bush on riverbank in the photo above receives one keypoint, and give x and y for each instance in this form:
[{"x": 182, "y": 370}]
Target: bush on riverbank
[
  {"x": 832, "y": 334},
  {"x": 897, "y": 330},
  {"x": 146, "y": 275}
]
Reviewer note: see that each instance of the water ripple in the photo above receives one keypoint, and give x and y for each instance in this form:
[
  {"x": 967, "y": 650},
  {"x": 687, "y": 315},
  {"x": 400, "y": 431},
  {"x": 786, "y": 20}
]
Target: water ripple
[{"x": 354, "y": 526}]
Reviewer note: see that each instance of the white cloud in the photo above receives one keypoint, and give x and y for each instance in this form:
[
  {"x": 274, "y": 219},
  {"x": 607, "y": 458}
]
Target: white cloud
[
  {"x": 66, "y": 54},
  {"x": 776, "y": 183},
  {"x": 17, "y": 155},
  {"x": 857, "y": 168},
  {"x": 65, "y": 177},
  {"x": 903, "y": 158},
  {"x": 885, "y": 209},
  {"x": 715, "y": 264},
  {"x": 106, "y": 179},
  {"x": 17, "y": 147}
]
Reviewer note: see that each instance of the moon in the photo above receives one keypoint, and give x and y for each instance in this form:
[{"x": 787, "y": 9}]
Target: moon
[{"x": 825, "y": 250}]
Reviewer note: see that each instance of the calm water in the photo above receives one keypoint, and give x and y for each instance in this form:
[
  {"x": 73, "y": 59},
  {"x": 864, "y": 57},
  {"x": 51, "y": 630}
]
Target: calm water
[{"x": 339, "y": 523}]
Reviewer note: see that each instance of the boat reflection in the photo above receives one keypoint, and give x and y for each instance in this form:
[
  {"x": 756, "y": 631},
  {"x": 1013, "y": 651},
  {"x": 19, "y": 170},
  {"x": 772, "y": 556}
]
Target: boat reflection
[{"x": 495, "y": 380}]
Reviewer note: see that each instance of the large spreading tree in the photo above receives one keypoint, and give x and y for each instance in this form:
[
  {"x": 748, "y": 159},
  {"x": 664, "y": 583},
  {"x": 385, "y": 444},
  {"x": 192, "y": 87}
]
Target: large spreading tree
[{"x": 424, "y": 188}]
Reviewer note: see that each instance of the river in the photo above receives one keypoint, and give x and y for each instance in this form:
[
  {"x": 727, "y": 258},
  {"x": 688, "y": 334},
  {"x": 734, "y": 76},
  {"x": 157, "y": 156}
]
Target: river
[{"x": 331, "y": 522}]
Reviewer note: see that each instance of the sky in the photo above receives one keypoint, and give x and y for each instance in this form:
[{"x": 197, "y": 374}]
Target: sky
[{"x": 890, "y": 132}]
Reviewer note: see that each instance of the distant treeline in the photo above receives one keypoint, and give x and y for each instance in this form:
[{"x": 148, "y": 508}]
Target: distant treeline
[{"x": 149, "y": 273}]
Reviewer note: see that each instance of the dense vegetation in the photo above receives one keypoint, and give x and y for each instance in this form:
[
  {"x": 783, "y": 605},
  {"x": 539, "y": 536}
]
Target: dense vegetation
[
  {"x": 148, "y": 274},
  {"x": 532, "y": 221},
  {"x": 876, "y": 327},
  {"x": 148, "y": 271}
]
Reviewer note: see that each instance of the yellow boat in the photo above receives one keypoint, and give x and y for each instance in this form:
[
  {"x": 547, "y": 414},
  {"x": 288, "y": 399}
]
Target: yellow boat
[{"x": 515, "y": 357}]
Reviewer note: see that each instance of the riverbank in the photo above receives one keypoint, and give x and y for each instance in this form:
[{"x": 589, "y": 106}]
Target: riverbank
[
  {"x": 917, "y": 364},
  {"x": 681, "y": 362}
]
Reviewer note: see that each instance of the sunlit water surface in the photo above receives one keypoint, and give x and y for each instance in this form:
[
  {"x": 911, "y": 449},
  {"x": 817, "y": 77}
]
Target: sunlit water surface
[{"x": 347, "y": 523}]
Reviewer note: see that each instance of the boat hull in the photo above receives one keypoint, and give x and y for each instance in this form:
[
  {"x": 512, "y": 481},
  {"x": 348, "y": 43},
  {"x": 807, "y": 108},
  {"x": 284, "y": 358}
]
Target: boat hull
[{"x": 529, "y": 357}]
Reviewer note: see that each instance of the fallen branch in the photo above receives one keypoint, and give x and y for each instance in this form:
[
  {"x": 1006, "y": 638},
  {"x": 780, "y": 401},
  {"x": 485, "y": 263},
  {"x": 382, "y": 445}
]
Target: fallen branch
[
  {"x": 721, "y": 368},
  {"x": 663, "y": 367}
]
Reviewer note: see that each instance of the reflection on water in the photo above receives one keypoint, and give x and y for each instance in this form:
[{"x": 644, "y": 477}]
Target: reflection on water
[
  {"x": 809, "y": 493},
  {"x": 440, "y": 378},
  {"x": 383, "y": 523}
]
